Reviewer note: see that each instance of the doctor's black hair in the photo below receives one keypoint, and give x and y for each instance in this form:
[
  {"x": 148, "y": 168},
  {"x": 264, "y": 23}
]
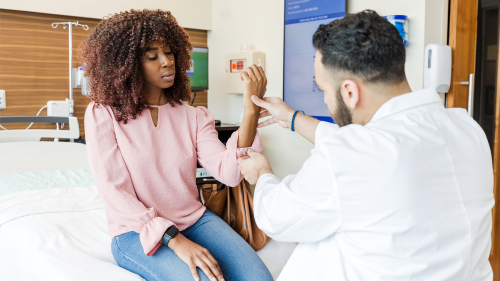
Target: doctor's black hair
[{"x": 364, "y": 44}]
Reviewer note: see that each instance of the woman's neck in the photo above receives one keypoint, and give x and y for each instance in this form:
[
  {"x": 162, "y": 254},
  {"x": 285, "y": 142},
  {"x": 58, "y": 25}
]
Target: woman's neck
[{"x": 156, "y": 96}]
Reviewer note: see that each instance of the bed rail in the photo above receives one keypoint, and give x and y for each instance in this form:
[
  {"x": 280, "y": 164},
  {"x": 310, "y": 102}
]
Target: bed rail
[
  {"x": 36, "y": 134},
  {"x": 34, "y": 119}
]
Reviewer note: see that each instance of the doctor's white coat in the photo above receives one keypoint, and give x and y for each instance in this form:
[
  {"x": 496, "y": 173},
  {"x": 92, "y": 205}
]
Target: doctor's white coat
[{"x": 408, "y": 196}]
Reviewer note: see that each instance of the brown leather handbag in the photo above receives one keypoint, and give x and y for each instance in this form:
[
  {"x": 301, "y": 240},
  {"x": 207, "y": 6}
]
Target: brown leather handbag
[{"x": 235, "y": 206}]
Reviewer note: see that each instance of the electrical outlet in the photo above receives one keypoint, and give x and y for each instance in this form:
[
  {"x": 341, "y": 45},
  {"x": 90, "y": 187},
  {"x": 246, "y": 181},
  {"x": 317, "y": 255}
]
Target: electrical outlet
[{"x": 3, "y": 102}]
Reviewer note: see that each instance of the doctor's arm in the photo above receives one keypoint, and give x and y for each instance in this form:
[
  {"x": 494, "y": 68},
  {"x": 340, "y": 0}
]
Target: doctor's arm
[
  {"x": 282, "y": 114},
  {"x": 301, "y": 208}
]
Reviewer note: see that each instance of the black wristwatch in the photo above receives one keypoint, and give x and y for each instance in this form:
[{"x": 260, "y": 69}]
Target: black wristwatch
[{"x": 169, "y": 234}]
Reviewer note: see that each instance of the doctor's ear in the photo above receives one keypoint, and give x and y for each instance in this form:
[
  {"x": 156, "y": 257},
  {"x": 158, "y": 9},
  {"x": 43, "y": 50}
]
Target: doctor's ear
[{"x": 350, "y": 93}]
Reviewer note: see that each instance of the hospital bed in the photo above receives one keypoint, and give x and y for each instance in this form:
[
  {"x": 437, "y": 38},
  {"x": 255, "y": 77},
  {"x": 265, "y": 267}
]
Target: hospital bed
[{"x": 52, "y": 221}]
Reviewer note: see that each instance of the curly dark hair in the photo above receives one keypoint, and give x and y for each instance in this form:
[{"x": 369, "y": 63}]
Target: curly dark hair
[
  {"x": 112, "y": 56},
  {"x": 364, "y": 44}
]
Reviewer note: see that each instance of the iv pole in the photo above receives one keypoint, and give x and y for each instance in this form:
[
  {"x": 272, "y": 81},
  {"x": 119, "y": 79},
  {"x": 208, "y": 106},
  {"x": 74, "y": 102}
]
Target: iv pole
[{"x": 70, "y": 28}]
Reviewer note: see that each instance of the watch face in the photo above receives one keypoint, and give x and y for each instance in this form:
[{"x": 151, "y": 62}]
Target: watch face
[{"x": 172, "y": 231}]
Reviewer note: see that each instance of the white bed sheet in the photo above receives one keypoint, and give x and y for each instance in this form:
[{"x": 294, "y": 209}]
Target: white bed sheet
[
  {"x": 61, "y": 234},
  {"x": 56, "y": 234}
]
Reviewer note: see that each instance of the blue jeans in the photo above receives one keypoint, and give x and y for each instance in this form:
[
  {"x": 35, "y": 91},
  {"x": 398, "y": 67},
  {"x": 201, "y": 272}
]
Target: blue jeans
[{"x": 237, "y": 260}]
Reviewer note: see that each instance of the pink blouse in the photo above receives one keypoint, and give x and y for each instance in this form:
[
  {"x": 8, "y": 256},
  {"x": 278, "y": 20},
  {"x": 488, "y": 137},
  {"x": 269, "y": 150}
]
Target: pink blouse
[{"x": 146, "y": 175}]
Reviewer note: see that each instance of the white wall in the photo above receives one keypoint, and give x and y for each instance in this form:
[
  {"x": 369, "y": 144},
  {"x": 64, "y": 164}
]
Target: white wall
[
  {"x": 189, "y": 13},
  {"x": 260, "y": 23},
  {"x": 428, "y": 23}
]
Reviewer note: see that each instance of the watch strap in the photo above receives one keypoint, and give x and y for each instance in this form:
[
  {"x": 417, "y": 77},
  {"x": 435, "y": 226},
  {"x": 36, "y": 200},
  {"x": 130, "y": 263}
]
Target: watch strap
[{"x": 170, "y": 233}]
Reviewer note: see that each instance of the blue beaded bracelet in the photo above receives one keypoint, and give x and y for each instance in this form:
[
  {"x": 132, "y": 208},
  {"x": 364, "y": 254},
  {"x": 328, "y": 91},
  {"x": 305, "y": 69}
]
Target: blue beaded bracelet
[{"x": 293, "y": 120}]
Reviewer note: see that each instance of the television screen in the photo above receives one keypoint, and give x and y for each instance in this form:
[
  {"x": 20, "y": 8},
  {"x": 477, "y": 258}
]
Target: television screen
[
  {"x": 302, "y": 19},
  {"x": 198, "y": 72}
]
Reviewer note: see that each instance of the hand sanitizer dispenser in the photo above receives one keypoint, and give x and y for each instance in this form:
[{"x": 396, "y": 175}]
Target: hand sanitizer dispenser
[
  {"x": 237, "y": 62},
  {"x": 437, "y": 67}
]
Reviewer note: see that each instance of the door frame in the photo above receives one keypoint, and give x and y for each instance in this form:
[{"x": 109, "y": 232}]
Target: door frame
[{"x": 462, "y": 38}]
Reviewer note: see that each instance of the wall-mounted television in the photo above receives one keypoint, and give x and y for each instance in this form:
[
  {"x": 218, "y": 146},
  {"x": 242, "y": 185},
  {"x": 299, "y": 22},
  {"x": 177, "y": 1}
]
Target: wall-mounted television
[
  {"x": 198, "y": 72},
  {"x": 302, "y": 19}
]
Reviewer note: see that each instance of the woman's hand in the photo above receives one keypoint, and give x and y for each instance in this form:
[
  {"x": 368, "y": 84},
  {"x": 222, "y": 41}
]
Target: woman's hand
[
  {"x": 196, "y": 256},
  {"x": 255, "y": 83}
]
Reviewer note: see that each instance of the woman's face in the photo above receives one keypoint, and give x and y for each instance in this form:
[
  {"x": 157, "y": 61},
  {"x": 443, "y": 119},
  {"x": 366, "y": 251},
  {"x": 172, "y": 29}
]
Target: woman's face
[{"x": 158, "y": 65}]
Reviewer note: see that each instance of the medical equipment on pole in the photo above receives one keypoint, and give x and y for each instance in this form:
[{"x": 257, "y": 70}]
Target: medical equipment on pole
[{"x": 70, "y": 41}]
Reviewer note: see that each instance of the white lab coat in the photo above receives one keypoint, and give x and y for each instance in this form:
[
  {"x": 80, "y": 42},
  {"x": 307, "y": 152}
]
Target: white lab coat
[{"x": 408, "y": 196}]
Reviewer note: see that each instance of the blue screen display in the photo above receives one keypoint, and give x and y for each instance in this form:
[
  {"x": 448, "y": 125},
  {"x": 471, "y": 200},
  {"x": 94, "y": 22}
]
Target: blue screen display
[{"x": 302, "y": 19}]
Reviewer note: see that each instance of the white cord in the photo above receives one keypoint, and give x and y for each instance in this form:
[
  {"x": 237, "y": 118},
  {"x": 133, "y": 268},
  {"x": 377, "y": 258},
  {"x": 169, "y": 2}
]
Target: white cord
[
  {"x": 36, "y": 115},
  {"x": 57, "y": 128},
  {"x": 31, "y": 122}
]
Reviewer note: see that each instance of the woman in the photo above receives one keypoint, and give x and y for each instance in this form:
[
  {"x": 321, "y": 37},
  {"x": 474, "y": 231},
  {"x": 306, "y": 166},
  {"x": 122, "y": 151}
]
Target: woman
[{"x": 143, "y": 143}]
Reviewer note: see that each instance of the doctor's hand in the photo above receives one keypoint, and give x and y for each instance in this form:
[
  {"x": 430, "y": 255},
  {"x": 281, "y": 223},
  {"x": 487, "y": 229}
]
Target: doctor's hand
[
  {"x": 194, "y": 256},
  {"x": 255, "y": 83},
  {"x": 254, "y": 166},
  {"x": 277, "y": 109}
]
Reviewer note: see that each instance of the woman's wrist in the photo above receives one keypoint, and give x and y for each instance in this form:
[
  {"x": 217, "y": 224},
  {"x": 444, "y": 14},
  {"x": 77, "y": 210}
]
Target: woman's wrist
[
  {"x": 251, "y": 109},
  {"x": 174, "y": 242}
]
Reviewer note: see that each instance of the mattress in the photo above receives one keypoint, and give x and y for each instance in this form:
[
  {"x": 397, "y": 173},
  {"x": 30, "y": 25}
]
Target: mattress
[
  {"x": 53, "y": 224},
  {"x": 42, "y": 156}
]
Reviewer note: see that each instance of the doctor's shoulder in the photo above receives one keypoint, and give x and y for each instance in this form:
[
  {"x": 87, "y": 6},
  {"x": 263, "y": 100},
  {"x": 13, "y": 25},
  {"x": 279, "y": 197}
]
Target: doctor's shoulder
[
  {"x": 466, "y": 125},
  {"x": 357, "y": 137},
  {"x": 461, "y": 115}
]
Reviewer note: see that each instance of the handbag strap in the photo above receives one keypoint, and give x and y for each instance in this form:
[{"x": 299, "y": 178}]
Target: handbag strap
[
  {"x": 243, "y": 195},
  {"x": 228, "y": 206}
]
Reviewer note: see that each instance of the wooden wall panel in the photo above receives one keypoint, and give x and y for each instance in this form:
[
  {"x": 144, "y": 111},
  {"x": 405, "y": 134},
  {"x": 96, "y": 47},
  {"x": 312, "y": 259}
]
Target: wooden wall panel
[{"x": 34, "y": 63}]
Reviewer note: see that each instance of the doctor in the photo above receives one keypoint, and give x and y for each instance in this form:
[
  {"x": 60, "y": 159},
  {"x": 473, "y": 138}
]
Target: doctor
[{"x": 400, "y": 189}]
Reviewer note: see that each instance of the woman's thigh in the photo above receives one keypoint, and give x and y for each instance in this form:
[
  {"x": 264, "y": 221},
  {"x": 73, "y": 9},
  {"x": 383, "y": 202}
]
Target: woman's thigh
[
  {"x": 162, "y": 265},
  {"x": 237, "y": 260}
]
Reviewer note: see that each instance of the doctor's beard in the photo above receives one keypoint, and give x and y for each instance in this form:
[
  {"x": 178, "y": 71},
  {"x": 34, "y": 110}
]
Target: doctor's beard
[{"x": 342, "y": 115}]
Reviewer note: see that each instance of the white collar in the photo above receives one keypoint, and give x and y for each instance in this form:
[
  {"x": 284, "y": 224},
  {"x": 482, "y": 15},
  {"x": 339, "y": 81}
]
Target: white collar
[{"x": 407, "y": 101}]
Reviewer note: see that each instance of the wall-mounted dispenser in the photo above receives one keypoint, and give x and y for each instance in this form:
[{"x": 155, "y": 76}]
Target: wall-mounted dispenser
[
  {"x": 237, "y": 62},
  {"x": 437, "y": 67},
  {"x": 401, "y": 23}
]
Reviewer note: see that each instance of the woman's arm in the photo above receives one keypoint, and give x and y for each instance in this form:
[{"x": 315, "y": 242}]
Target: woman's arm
[
  {"x": 217, "y": 159},
  {"x": 112, "y": 179},
  {"x": 255, "y": 83},
  {"x": 220, "y": 160},
  {"x": 115, "y": 187}
]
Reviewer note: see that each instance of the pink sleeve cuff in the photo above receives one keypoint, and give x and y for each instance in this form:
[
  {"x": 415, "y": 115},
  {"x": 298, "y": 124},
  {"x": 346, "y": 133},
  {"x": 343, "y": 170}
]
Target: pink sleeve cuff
[
  {"x": 152, "y": 232},
  {"x": 232, "y": 143},
  {"x": 154, "y": 249}
]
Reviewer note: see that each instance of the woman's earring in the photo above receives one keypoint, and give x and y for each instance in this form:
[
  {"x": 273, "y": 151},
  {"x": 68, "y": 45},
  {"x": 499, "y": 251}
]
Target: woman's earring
[{"x": 172, "y": 62}]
